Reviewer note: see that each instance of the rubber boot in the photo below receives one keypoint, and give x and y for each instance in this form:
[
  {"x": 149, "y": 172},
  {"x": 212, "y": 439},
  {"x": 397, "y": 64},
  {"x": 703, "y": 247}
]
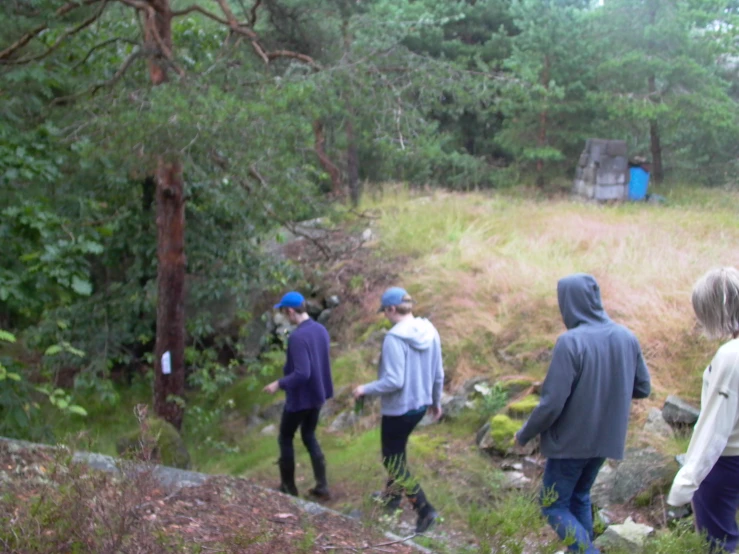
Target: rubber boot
[
  {"x": 389, "y": 498},
  {"x": 287, "y": 477},
  {"x": 427, "y": 515},
  {"x": 320, "y": 491}
]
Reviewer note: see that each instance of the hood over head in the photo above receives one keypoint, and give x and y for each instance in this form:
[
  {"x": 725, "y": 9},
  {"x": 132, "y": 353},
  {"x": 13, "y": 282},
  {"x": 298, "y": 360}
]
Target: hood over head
[
  {"x": 579, "y": 300},
  {"x": 418, "y": 332}
]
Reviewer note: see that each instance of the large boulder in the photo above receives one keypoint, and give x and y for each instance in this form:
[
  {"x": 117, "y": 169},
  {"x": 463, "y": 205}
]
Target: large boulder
[
  {"x": 628, "y": 537},
  {"x": 679, "y": 413},
  {"x": 161, "y": 439},
  {"x": 656, "y": 425},
  {"x": 642, "y": 471},
  {"x": 452, "y": 406},
  {"x": 344, "y": 421}
]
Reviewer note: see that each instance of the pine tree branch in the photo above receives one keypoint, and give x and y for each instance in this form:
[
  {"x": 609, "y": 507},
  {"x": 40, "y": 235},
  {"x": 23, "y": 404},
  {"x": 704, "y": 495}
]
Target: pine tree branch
[
  {"x": 30, "y": 35},
  {"x": 253, "y": 16},
  {"x": 103, "y": 45},
  {"x": 125, "y": 66},
  {"x": 86, "y": 23},
  {"x": 200, "y": 10},
  {"x": 243, "y": 29},
  {"x": 121, "y": 71},
  {"x": 254, "y": 173}
]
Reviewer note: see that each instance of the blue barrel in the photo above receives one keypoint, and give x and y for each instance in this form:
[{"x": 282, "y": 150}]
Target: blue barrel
[{"x": 638, "y": 183}]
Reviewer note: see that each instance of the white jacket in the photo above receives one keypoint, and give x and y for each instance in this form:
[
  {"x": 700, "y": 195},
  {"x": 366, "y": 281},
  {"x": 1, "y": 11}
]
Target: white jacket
[{"x": 716, "y": 432}]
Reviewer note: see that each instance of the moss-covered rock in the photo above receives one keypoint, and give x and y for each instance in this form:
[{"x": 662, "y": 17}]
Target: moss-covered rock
[
  {"x": 498, "y": 434},
  {"x": 167, "y": 447},
  {"x": 514, "y": 387},
  {"x": 522, "y": 408}
]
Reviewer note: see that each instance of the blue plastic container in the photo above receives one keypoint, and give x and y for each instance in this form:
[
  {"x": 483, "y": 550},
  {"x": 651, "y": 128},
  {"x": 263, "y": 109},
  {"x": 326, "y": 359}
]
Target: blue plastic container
[{"x": 638, "y": 183}]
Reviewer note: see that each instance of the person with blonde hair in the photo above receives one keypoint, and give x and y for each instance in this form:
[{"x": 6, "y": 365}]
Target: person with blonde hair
[
  {"x": 410, "y": 381},
  {"x": 710, "y": 476}
]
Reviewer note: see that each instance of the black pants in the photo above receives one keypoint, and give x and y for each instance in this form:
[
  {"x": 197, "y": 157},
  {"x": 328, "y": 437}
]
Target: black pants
[
  {"x": 307, "y": 420},
  {"x": 394, "y": 433}
]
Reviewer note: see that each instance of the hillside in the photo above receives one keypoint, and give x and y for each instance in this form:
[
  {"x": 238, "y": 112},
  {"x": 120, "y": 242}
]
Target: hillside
[{"x": 483, "y": 268}]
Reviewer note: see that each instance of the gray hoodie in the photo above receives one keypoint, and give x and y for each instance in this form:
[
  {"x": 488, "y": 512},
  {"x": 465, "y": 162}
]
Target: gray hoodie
[
  {"x": 597, "y": 368},
  {"x": 410, "y": 373}
]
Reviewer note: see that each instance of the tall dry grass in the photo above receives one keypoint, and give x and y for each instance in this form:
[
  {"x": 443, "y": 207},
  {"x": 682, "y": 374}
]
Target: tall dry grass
[{"x": 485, "y": 268}]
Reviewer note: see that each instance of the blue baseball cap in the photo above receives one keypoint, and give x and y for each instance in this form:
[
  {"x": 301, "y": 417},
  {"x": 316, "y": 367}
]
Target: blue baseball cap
[
  {"x": 291, "y": 299},
  {"x": 394, "y": 296}
]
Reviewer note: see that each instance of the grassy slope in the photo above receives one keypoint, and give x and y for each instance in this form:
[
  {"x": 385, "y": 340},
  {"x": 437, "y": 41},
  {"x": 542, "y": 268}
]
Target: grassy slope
[{"x": 484, "y": 268}]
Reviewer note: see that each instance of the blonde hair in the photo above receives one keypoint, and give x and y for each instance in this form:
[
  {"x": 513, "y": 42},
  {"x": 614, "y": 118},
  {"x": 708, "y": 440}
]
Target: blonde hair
[
  {"x": 716, "y": 301},
  {"x": 405, "y": 307}
]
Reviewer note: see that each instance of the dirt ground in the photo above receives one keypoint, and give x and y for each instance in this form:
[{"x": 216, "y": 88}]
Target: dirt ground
[{"x": 52, "y": 505}]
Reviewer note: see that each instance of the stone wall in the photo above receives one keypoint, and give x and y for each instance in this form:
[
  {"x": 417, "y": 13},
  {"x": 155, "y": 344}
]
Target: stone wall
[{"x": 603, "y": 170}]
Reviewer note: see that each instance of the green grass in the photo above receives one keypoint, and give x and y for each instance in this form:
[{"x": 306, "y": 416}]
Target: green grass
[
  {"x": 488, "y": 264},
  {"x": 484, "y": 268}
]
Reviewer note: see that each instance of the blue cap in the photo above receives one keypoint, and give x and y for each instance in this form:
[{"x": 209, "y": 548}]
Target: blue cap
[
  {"x": 291, "y": 299},
  {"x": 394, "y": 296}
]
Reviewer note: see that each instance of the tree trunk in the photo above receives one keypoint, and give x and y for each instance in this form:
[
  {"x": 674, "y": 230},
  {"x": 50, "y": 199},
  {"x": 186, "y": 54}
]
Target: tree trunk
[
  {"x": 352, "y": 160},
  {"x": 655, "y": 143},
  {"x": 169, "y": 387},
  {"x": 158, "y": 37},
  {"x": 541, "y": 140},
  {"x": 169, "y": 380},
  {"x": 324, "y": 160}
]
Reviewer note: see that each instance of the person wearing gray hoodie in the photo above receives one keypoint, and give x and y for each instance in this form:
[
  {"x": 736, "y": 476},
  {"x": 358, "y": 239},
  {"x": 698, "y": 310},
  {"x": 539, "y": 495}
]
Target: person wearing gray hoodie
[
  {"x": 597, "y": 368},
  {"x": 410, "y": 381}
]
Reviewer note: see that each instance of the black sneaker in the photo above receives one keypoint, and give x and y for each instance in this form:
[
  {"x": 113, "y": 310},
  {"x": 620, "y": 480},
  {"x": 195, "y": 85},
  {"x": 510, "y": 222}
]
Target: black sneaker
[{"x": 425, "y": 522}]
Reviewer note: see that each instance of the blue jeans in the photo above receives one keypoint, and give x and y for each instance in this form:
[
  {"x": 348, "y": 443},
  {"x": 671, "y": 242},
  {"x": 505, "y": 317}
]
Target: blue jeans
[{"x": 565, "y": 500}]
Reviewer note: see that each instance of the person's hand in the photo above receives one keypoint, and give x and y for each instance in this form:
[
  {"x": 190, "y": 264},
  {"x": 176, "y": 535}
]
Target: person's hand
[
  {"x": 272, "y": 387},
  {"x": 358, "y": 392},
  {"x": 436, "y": 412},
  {"x": 517, "y": 439}
]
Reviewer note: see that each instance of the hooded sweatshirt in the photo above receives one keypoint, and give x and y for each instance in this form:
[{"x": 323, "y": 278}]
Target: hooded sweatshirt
[
  {"x": 410, "y": 373},
  {"x": 597, "y": 368}
]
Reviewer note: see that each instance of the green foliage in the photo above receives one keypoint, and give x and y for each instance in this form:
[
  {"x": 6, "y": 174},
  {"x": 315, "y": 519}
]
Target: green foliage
[
  {"x": 505, "y": 527},
  {"x": 19, "y": 406},
  {"x": 681, "y": 539},
  {"x": 206, "y": 373},
  {"x": 672, "y": 70},
  {"x": 544, "y": 101},
  {"x": 491, "y": 400}
]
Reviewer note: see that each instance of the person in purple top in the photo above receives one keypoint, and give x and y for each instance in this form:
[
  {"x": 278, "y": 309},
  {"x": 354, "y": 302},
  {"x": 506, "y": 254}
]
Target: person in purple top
[{"x": 307, "y": 384}]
